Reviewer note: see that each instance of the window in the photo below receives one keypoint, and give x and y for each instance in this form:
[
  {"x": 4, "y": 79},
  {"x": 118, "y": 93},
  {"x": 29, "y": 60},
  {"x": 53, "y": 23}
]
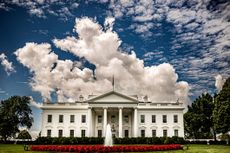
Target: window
[
  {"x": 72, "y": 117},
  {"x": 175, "y": 118},
  {"x": 60, "y": 133},
  {"x": 142, "y": 133},
  {"x": 164, "y": 118},
  {"x": 60, "y": 118},
  {"x": 154, "y": 133},
  {"x": 82, "y": 133},
  {"x": 99, "y": 119},
  {"x": 142, "y": 118},
  {"x": 126, "y": 119},
  {"x": 153, "y": 118},
  {"x": 99, "y": 133},
  {"x": 165, "y": 133},
  {"x": 49, "y": 120},
  {"x": 71, "y": 133},
  {"x": 126, "y": 133},
  {"x": 48, "y": 133},
  {"x": 83, "y": 118},
  {"x": 176, "y": 133},
  {"x": 112, "y": 119}
]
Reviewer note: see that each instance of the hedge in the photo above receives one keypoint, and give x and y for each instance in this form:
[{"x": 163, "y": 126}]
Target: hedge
[{"x": 95, "y": 140}]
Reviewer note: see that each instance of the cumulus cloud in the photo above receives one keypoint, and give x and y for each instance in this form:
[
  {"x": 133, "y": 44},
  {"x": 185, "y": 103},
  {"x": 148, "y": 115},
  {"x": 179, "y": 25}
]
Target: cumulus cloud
[
  {"x": 101, "y": 47},
  {"x": 34, "y": 103},
  {"x": 40, "y": 60},
  {"x": 219, "y": 82},
  {"x": 8, "y": 67}
]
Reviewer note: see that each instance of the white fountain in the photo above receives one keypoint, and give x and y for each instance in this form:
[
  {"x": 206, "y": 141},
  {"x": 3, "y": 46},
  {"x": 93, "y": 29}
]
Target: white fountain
[{"x": 108, "y": 136}]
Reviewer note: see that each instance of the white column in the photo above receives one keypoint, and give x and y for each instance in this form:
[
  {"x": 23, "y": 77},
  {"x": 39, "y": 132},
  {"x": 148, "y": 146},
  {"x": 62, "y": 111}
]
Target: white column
[
  {"x": 120, "y": 122},
  {"x": 135, "y": 128},
  {"x": 105, "y": 120},
  {"x": 89, "y": 121}
]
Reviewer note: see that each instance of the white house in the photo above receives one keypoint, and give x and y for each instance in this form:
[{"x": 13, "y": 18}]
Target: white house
[{"x": 127, "y": 115}]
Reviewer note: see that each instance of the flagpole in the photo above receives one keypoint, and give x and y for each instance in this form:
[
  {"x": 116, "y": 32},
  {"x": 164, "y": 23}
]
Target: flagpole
[{"x": 113, "y": 82}]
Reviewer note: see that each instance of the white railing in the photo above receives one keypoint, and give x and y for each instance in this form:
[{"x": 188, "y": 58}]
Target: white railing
[{"x": 161, "y": 104}]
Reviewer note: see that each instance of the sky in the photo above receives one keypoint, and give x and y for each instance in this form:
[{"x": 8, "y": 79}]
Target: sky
[{"x": 165, "y": 49}]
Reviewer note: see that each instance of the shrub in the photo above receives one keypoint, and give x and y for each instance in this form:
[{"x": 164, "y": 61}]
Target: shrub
[
  {"x": 24, "y": 134},
  {"x": 95, "y": 140}
]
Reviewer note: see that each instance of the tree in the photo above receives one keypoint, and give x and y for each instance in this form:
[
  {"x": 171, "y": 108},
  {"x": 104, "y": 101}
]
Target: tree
[
  {"x": 15, "y": 112},
  {"x": 221, "y": 111},
  {"x": 198, "y": 119},
  {"x": 24, "y": 134}
]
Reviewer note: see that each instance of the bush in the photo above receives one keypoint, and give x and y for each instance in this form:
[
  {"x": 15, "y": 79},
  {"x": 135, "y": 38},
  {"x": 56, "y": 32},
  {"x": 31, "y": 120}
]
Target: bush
[
  {"x": 95, "y": 140},
  {"x": 167, "y": 141},
  {"x": 196, "y": 142},
  {"x": 24, "y": 134},
  {"x": 217, "y": 142},
  {"x": 69, "y": 140}
]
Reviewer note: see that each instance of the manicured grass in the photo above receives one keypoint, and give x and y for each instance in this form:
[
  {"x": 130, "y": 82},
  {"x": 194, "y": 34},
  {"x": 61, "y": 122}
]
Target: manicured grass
[
  {"x": 11, "y": 148},
  {"x": 203, "y": 149},
  {"x": 14, "y": 148}
]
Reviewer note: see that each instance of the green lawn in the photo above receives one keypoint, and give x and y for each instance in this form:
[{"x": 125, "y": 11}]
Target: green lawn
[
  {"x": 14, "y": 148},
  {"x": 5, "y": 148}
]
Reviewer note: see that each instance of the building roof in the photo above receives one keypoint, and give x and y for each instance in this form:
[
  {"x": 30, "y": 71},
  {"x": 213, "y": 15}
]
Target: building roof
[{"x": 112, "y": 93}]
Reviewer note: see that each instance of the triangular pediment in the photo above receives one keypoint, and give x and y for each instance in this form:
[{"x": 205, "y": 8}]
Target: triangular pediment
[{"x": 113, "y": 97}]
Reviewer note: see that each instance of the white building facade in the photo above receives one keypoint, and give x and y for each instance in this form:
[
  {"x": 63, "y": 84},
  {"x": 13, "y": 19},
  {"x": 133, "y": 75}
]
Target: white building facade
[{"x": 128, "y": 117}]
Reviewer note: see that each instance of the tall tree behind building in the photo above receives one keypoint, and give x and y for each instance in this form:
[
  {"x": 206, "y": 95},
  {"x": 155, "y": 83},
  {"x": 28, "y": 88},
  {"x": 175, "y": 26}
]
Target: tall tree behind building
[
  {"x": 221, "y": 111},
  {"x": 198, "y": 120}
]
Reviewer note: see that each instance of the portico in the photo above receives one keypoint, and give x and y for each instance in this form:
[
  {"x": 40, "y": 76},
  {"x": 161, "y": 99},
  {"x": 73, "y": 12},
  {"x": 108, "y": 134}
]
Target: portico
[{"x": 121, "y": 121}]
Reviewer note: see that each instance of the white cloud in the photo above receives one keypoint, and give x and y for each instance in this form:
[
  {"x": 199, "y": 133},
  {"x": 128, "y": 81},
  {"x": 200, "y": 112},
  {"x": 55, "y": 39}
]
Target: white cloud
[
  {"x": 64, "y": 13},
  {"x": 41, "y": 8},
  {"x": 101, "y": 48},
  {"x": 43, "y": 61},
  {"x": 219, "y": 82},
  {"x": 205, "y": 34},
  {"x": 182, "y": 16},
  {"x": 74, "y": 5},
  {"x": 34, "y": 134},
  {"x": 2, "y": 91},
  {"x": 142, "y": 13},
  {"x": 109, "y": 21},
  {"x": 37, "y": 11},
  {"x": 143, "y": 28},
  {"x": 4, "y": 7},
  {"x": 8, "y": 67},
  {"x": 151, "y": 55},
  {"x": 34, "y": 103},
  {"x": 40, "y": 1}
]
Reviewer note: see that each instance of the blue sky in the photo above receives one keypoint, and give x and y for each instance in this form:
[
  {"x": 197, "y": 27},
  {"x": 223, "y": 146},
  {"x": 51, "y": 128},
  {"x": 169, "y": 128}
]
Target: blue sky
[{"x": 191, "y": 36}]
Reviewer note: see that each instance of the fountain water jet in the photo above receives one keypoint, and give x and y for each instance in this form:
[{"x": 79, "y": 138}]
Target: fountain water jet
[{"x": 108, "y": 136}]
